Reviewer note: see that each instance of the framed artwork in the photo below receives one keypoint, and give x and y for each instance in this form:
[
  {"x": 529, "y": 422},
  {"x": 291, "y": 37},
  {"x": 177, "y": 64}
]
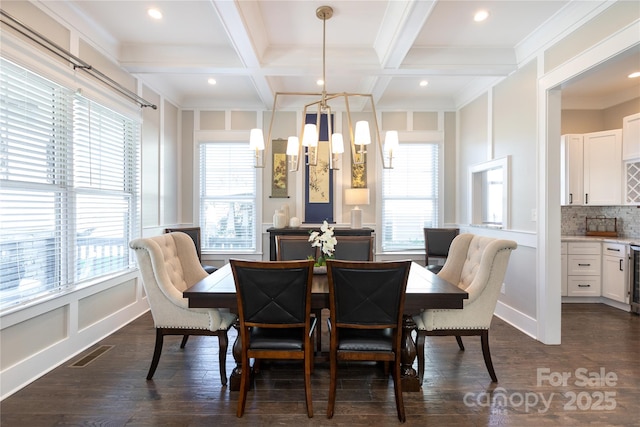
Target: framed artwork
[
  {"x": 359, "y": 172},
  {"x": 279, "y": 173},
  {"x": 318, "y": 204}
]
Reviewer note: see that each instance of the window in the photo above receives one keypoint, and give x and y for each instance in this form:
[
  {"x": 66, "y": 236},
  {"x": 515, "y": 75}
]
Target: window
[
  {"x": 410, "y": 196},
  {"x": 68, "y": 187},
  {"x": 227, "y": 196}
]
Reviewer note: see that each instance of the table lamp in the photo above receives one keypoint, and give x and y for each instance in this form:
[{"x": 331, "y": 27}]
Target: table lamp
[{"x": 356, "y": 196}]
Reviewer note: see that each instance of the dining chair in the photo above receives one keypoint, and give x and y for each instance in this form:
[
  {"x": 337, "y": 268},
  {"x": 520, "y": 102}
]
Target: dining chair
[
  {"x": 194, "y": 233},
  {"x": 169, "y": 265},
  {"x": 478, "y": 265},
  {"x": 436, "y": 245},
  {"x": 289, "y": 248},
  {"x": 366, "y": 301},
  {"x": 354, "y": 248},
  {"x": 274, "y": 307}
]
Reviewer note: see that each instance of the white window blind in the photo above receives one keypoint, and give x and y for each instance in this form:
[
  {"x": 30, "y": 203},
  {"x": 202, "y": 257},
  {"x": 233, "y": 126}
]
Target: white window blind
[
  {"x": 410, "y": 196},
  {"x": 68, "y": 185},
  {"x": 227, "y": 196}
]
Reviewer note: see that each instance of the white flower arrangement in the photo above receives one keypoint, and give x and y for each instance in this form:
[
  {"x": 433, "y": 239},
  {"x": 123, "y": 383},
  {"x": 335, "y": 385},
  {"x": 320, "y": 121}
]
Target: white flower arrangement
[{"x": 325, "y": 241}]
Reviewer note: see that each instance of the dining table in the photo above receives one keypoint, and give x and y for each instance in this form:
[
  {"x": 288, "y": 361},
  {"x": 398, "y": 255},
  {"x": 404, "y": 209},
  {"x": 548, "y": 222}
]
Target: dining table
[{"x": 425, "y": 290}]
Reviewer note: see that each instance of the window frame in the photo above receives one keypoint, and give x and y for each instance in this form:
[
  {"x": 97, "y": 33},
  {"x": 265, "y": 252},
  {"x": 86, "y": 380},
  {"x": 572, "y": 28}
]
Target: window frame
[
  {"x": 406, "y": 139},
  {"x": 64, "y": 257},
  {"x": 241, "y": 138}
]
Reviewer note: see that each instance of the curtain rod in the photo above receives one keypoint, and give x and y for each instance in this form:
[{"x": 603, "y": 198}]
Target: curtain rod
[{"x": 72, "y": 59}]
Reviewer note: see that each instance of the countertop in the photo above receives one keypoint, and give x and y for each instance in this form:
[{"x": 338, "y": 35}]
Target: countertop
[{"x": 621, "y": 240}]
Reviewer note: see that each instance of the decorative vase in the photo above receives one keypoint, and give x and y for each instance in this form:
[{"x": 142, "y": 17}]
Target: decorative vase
[
  {"x": 285, "y": 211},
  {"x": 279, "y": 219},
  {"x": 294, "y": 222}
]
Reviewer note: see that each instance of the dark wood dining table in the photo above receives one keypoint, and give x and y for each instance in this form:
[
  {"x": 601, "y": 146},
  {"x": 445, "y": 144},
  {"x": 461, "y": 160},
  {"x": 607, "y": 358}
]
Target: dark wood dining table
[{"x": 425, "y": 290}]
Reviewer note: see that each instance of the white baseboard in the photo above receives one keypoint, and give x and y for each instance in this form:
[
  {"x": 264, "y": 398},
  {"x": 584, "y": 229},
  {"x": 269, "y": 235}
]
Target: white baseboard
[{"x": 524, "y": 323}]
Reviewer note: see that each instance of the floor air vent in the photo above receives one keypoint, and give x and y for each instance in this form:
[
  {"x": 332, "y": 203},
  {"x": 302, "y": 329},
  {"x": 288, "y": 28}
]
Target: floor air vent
[{"x": 91, "y": 356}]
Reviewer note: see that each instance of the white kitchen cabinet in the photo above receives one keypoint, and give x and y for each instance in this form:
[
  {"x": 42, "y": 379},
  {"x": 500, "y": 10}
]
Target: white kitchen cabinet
[
  {"x": 603, "y": 168},
  {"x": 563, "y": 264},
  {"x": 631, "y": 137},
  {"x": 615, "y": 263},
  {"x": 584, "y": 269},
  {"x": 592, "y": 168},
  {"x": 572, "y": 174}
]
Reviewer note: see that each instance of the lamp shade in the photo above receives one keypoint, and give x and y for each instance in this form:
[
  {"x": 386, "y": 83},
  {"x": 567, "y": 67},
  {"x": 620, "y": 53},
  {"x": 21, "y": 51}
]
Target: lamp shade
[
  {"x": 256, "y": 139},
  {"x": 391, "y": 140},
  {"x": 293, "y": 146},
  {"x": 362, "y": 133},
  {"x": 310, "y": 135},
  {"x": 337, "y": 143},
  {"x": 356, "y": 196}
]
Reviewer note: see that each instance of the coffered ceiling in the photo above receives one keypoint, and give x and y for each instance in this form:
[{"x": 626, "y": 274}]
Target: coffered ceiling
[{"x": 254, "y": 49}]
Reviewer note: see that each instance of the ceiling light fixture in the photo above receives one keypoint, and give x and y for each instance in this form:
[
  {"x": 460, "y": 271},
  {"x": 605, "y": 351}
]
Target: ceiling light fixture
[
  {"x": 480, "y": 15},
  {"x": 307, "y": 144},
  {"x": 634, "y": 75},
  {"x": 424, "y": 83},
  {"x": 154, "y": 13},
  {"x": 211, "y": 81}
]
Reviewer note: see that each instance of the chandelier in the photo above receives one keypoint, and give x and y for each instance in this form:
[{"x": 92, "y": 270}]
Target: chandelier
[{"x": 306, "y": 146}]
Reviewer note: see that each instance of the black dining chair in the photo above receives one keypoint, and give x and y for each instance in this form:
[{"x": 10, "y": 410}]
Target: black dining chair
[
  {"x": 289, "y": 248},
  {"x": 366, "y": 301},
  {"x": 436, "y": 245},
  {"x": 354, "y": 248},
  {"x": 274, "y": 309}
]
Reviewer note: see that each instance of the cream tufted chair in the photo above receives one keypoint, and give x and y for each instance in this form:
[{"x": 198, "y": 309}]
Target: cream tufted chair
[
  {"x": 169, "y": 265},
  {"x": 476, "y": 264}
]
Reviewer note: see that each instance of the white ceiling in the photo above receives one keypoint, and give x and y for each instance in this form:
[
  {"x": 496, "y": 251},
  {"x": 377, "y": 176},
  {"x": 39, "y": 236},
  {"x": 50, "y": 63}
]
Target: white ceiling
[{"x": 257, "y": 48}]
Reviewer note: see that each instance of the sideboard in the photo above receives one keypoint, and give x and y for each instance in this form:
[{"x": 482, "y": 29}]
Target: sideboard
[{"x": 301, "y": 231}]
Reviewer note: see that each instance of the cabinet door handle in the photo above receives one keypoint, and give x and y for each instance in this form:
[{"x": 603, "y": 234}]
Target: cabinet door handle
[
  {"x": 586, "y": 198},
  {"x": 570, "y": 198},
  {"x": 621, "y": 269},
  {"x": 614, "y": 250},
  {"x": 584, "y": 265},
  {"x": 584, "y": 286}
]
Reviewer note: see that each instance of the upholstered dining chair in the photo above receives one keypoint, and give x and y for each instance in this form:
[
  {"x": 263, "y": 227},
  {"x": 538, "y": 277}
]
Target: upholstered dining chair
[
  {"x": 436, "y": 245},
  {"x": 354, "y": 248},
  {"x": 366, "y": 301},
  {"x": 169, "y": 265},
  {"x": 289, "y": 248},
  {"x": 478, "y": 265},
  {"x": 274, "y": 306},
  {"x": 194, "y": 233}
]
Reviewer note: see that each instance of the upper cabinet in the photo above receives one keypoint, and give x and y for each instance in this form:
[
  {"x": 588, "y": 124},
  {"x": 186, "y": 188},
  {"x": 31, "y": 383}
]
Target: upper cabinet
[
  {"x": 631, "y": 137},
  {"x": 572, "y": 177},
  {"x": 592, "y": 168},
  {"x": 603, "y": 168}
]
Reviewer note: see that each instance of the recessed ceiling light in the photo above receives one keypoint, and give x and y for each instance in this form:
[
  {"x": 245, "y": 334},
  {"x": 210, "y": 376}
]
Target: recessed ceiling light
[
  {"x": 634, "y": 75},
  {"x": 424, "y": 83},
  {"x": 319, "y": 82},
  {"x": 480, "y": 15},
  {"x": 211, "y": 81},
  {"x": 154, "y": 13}
]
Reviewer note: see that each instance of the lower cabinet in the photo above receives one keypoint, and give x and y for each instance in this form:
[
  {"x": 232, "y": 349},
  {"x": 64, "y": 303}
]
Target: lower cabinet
[
  {"x": 615, "y": 265},
  {"x": 583, "y": 269}
]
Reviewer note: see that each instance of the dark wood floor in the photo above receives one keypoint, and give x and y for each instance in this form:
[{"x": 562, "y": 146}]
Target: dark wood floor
[{"x": 112, "y": 390}]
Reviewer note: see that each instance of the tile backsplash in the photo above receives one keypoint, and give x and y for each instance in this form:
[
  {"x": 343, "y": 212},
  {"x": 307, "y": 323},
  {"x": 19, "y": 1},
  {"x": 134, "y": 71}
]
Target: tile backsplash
[{"x": 574, "y": 219}]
